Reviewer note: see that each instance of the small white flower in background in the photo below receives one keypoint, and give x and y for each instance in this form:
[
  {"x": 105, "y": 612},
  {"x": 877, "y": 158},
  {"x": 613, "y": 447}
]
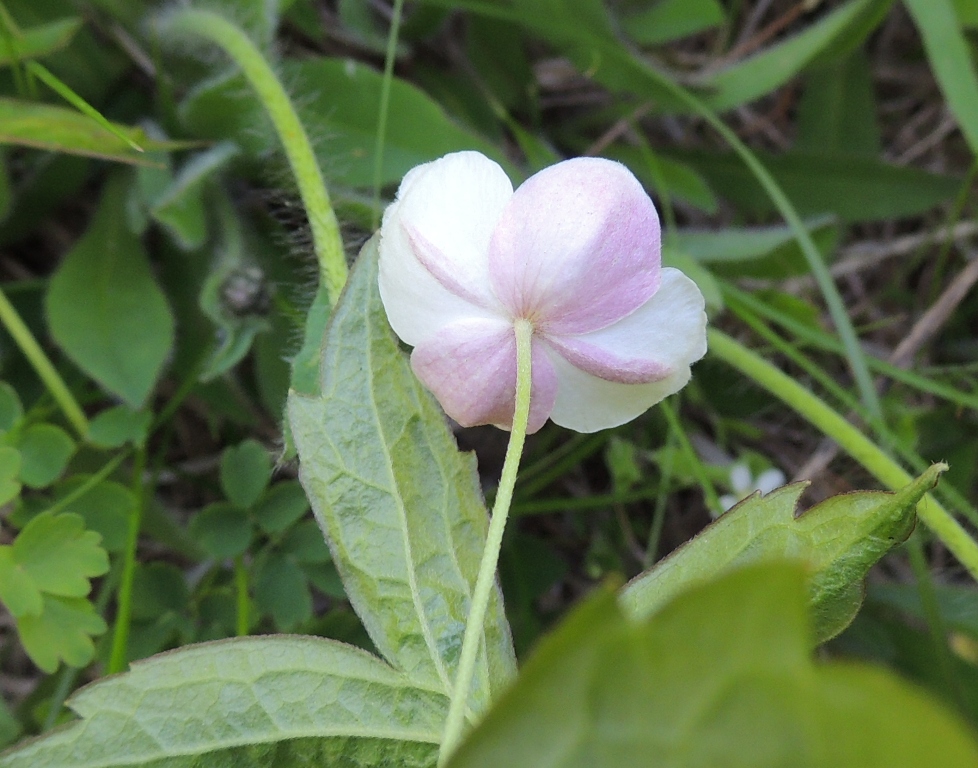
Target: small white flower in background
[
  {"x": 575, "y": 251},
  {"x": 743, "y": 484}
]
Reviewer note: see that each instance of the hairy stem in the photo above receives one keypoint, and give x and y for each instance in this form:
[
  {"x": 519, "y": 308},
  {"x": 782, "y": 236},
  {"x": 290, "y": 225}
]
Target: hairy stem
[
  {"x": 312, "y": 189},
  {"x": 849, "y": 438},
  {"x": 490, "y": 557}
]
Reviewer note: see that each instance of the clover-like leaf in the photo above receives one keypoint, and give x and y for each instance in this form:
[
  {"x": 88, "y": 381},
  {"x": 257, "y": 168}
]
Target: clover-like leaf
[
  {"x": 63, "y": 630},
  {"x": 59, "y": 555}
]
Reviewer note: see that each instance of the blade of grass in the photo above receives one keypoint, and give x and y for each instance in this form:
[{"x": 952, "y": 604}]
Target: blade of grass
[{"x": 385, "y": 94}]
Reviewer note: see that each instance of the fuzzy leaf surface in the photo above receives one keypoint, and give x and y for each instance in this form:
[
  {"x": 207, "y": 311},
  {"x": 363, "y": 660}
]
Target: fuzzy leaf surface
[
  {"x": 248, "y": 702},
  {"x": 840, "y": 538},
  {"x": 400, "y": 506}
]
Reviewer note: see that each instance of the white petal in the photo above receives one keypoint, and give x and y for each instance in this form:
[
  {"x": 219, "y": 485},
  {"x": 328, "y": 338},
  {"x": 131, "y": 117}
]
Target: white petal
[
  {"x": 670, "y": 329},
  {"x": 769, "y": 480},
  {"x": 586, "y": 403},
  {"x": 435, "y": 241},
  {"x": 741, "y": 480}
]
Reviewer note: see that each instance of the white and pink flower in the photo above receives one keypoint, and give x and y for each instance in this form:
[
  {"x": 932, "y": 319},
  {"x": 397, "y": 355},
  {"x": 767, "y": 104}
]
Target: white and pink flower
[{"x": 575, "y": 250}]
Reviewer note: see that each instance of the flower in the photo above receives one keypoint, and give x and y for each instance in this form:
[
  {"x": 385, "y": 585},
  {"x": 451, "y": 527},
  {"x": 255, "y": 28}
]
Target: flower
[
  {"x": 575, "y": 250},
  {"x": 743, "y": 484}
]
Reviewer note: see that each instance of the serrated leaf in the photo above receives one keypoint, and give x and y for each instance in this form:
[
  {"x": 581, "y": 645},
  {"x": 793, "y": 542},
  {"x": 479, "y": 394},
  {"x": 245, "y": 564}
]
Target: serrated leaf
[
  {"x": 17, "y": 589},
  {"x": 104, "y": 306},
  {"x": 841, "y": 539},
  {"x": 720, "y": 676},
  {"x": 246, "y": 471},
  {"x": 280, "y": 506},
  {"x": 247, "y": 703},
  {"x": 400, "y": 505},
  {"x": 63, "y": 630},
  {"x": 223, "y": 530},
  {"x": 119, "y": 425},
  {"x": 45, "y": 451},
  {"x": 38, "y": 41},
  {"x": 59, "y": 555}
]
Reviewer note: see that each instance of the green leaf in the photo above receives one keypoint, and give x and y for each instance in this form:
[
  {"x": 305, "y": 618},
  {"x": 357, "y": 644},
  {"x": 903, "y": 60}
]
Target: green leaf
[
  {"x": 837, "y": 112},
  {"x": 17, "y": 589},
  {"x": 63, "y": 630},
  {"x": 401, "y": 506},
  {"x": 119, "y": 425},
  {"x": 10, "y": 468},
  {"x": 246, "y": 471},
  {"x": 841, "y": 539},
  {"x": 106, "y": 508},
  {"x": 774, "y": 66},
  {"x": 38, "y": 41},
  {"x": 967, "y": 11},
  {"x": 59, "y": 129},
  {"x": 280, "y": 506},
  {"x": 105, "y": 308},
  {"x": 59, "y": 555},
  {"x": 10, "y": 727},
  {"x": 951, "y": 61},
  {"x": 223, "y": 530},
  {"x": 11, "y": 411},
  {"x": 281, "y": 591},
  {"x": 304, "y": 543},
  {"x": 853, "y": 188},
  {"x": 671, "y": 19},
  {"x": 180, "y": 207},
  {"x": 247, "y": 703},
  {"x": 341, "y": 97},
  {"x": 158, "y": 588},
  {"x": 720, "y": 676},
  {"x": 45, "y": 451}
]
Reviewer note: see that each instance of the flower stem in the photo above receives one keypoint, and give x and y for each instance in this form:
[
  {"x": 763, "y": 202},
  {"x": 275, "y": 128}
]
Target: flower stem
[
  {"x": 312, "y": 189},
  {"x": 490, "y": 556},
  {"x": 385, "y": 95},
  {"x": 120, "y": 633},
  {"x": 849, "y": 438},
  {"x": 42, "y": 365}
]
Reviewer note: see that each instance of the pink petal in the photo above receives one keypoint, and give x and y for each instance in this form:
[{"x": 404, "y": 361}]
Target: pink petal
[
  {"x": 434, "y": 244},
  {"x": 577, "y": 247},
  {"x": 470, "y": 367},
  {"x": 668, "y": 333}
]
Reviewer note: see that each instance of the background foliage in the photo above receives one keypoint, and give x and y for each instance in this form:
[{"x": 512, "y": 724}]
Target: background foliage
[{"x": 152, "y": 248}]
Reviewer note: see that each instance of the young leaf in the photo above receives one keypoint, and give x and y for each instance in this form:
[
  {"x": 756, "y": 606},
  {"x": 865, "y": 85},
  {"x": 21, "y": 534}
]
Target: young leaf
[
  {"x": 281, "y": 590},
  {"x": 44, "y": 451},
  {"x": 245, "y": 472},
  {"x": 399, "y": 504},
  {"x": 59, "y": 555},
  {"x": 222, "y": 529},
  {"x": 119, "y": 425},
  {"x": 106, "y": 310},
  {"x": 10, "y": 467},
  {"x": 105, "y": 507},
  {"x": 11, "y": 409},
  {"x": 840, "y": 538},
  {"x": 63, "y": 630},
  {"x": 17, "y": 589},
  {"x": 280, "y": 506},
  {"x": 247, "y": 703},
  {"x": 718, "y": 677}
]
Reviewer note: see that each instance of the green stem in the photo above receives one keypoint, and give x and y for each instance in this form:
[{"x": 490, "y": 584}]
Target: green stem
[
  {"x": 485, "y": 581},
  {"x": 24, "y": 339},
  {"x": 837, "y": 310},
  {"x": 385, "y": 95},
  {"x": 312, "y": 189},
  {"x": 676, "y": 428},
  {"x": 849, "y": 438},
  {"x": 242, "y": 621},
  {"x": 120, "y": 634}
]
